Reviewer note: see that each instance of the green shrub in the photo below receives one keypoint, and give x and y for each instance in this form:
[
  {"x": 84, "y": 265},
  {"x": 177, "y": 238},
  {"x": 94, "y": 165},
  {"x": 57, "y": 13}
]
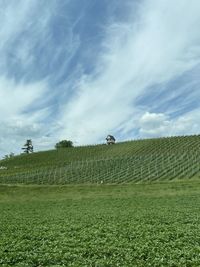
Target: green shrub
[{"x": 63, "y": 144}]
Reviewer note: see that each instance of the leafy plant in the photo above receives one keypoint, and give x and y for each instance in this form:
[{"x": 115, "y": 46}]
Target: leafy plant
[{"x": 152, "y": 225}]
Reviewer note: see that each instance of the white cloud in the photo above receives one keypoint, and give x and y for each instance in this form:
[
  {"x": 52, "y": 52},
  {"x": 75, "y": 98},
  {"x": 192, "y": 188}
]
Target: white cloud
[
  {"x": 152, "y": 124},
  {"x": 22, "y": 114},
  {"x": 16, "y": 123},
  {"x": 15, "y": 97},
  {"x": 161, "y": 45},
  {"x": 159, "y": 124},
  {"x": 24, "y": 26}
]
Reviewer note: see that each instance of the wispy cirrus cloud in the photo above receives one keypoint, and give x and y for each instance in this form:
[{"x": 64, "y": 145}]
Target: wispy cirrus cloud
[
  {"x": 20, "y": 89},
  {"x": 139, "y": 55},
  {"x": 15, "y": 119},
  {"x": 37, "y": 45},
  {"x": 76, "y": 72}
]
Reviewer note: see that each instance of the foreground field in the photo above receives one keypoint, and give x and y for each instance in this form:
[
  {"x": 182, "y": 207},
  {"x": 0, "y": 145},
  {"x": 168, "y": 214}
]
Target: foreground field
[{"x": 135, "y": 225}]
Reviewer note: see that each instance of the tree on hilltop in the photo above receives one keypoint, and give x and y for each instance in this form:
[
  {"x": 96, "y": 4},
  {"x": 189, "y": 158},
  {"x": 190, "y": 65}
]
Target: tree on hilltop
[
  {"x": 64, "y": 144},
  {"x": 28, "y": 147}
]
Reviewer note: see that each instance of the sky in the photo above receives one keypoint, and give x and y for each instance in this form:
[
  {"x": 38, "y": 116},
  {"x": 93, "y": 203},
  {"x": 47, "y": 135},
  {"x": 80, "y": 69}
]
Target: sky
[{"x": 82, "y": 69}]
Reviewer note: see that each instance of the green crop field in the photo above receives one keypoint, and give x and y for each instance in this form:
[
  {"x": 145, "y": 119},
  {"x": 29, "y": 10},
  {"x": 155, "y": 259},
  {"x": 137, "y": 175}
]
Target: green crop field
[
  {"x": 131, "y": 204},
  {"x": 106, "y": 225},
  {"x": 127, "y": 162}
]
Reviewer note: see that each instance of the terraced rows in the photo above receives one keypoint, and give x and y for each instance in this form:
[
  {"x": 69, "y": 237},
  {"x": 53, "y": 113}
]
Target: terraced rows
[{"x": 127, "y": 162}]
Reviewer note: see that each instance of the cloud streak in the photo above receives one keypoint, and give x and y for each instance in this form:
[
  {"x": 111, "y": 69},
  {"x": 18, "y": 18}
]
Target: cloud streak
[
  {"x": 162, "y": 44},
  {"x": 81, "y": 73},
  {"x": 18, "y": 94}
]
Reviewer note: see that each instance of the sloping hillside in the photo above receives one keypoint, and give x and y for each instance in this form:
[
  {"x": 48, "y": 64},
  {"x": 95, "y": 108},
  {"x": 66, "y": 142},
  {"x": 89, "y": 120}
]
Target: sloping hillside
[{"x": 126, "y": 162}]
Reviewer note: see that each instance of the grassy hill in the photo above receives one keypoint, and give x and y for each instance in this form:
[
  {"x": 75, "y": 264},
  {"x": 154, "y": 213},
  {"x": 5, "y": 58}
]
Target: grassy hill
[{"x": 127, "y": 162}]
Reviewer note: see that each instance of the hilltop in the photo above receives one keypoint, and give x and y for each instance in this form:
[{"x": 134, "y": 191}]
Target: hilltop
[{"x": 126, "y": 162}]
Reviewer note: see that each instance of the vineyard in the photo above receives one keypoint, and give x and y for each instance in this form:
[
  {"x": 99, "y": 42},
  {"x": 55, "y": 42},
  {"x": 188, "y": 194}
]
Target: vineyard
[{"x": 126, "y": 162}]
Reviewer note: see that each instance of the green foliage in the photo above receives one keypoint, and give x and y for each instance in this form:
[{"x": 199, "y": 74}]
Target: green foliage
[
  {"x": 130, "y": 225},
  {"x": 64, "y": 144}
]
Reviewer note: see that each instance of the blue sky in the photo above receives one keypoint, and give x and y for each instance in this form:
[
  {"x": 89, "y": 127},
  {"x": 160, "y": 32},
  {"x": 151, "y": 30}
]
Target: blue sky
[{"x": 82, "y": 69}]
